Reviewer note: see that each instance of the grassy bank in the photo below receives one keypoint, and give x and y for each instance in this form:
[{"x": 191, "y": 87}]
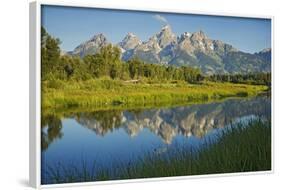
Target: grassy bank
[
  {"x": 240, "y": 148},
  {"x": 108, "y": 93}
]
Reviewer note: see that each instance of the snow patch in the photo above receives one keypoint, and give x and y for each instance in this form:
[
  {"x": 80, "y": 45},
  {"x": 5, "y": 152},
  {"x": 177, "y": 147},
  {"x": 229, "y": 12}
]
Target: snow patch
[
  {"x": 131, "y": 34},
  {"x": 201, "y": 44},
  {"x": 165, "y": 27},
  {"x": 186, "y": 34}
]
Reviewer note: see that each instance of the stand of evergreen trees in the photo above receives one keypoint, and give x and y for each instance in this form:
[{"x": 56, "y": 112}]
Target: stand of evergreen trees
[{"x": 251, "y": 78}]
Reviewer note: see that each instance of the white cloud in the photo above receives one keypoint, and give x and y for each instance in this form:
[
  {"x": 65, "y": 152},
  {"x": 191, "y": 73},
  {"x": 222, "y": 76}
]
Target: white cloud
[{"x": 160, "y": 18}]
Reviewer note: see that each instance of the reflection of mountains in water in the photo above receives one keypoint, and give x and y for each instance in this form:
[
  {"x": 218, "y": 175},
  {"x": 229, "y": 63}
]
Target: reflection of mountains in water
[{"x": 196, "y": 120}]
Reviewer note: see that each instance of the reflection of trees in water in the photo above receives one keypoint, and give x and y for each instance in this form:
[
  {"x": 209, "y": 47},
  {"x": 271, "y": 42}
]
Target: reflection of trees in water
[
  {"x": 101, "y": 122},
  {"x": 196, "y": 120},
  {"x": 53, "y": 131}
]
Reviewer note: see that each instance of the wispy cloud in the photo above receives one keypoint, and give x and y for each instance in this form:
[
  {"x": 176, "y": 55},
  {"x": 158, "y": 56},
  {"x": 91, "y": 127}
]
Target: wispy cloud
[{"x": 160, "y": 18}]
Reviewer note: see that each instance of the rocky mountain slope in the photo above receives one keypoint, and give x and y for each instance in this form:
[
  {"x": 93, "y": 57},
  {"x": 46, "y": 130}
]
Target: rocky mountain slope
[{"x": 188, "y": 49}]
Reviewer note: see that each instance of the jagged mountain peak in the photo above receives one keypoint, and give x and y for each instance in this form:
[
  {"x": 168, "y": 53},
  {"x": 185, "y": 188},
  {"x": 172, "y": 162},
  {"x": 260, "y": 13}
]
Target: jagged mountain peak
[
  {"x": 265, "y": 54},
  {"x": 165, "y": 36},
  {"x": 130, "y": 41},
  {"x": 91, "y": 46},
  {"x": 186, "y": 34},
  {"x": 222, "y": 48},
  {"x": 151, "y": 44},
  {"x": 130, "y": 35},
  {"x": 166, "y": 27},
  {"x": 98, "y": 38},
  {"x": 183, "y": 36},
  {"x": 199, "y": 36},
  {"x": 197, "y": 41}
]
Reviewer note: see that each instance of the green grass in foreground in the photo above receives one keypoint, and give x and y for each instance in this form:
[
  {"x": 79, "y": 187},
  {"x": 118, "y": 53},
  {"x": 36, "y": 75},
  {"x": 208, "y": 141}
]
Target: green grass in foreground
[
  {"x": 240, "y": 148},
  {"x": 102, "y": 93}
]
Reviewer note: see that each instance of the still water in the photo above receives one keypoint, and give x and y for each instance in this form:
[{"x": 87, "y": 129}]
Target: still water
[{"x": 108, "y": 138}]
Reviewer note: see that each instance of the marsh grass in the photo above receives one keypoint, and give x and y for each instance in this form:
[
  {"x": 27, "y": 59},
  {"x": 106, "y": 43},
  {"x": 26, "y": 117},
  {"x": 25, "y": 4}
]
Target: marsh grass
[
  {"x": 103, "y": 93},
  {"x": 241, "y": 147}
]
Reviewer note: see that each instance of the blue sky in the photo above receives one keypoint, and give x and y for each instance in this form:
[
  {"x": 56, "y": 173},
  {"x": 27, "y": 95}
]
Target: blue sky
[{"x": 75, "y": 25}]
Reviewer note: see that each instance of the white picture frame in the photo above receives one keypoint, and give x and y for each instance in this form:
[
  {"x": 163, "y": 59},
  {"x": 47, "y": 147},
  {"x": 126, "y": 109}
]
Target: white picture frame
[{"x": 35, "y": 91}]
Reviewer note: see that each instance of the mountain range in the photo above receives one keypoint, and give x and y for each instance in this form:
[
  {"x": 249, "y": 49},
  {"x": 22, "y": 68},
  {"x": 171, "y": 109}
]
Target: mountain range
[{"x": 188, "y": 49}]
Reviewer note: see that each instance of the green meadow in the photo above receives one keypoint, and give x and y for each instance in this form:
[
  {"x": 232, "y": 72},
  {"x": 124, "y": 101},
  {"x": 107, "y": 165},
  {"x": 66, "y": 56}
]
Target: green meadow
[{"x": 105, "y": 92}]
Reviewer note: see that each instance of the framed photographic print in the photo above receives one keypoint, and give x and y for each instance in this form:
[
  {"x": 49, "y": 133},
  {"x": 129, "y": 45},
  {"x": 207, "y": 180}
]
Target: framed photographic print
[{"x": 121, "y": 94}]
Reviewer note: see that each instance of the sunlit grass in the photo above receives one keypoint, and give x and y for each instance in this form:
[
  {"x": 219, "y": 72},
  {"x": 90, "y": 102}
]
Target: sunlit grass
[{"x": 109, "y": 93}]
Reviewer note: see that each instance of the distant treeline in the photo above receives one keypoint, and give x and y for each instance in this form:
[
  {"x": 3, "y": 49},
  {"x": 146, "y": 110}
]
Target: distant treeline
[
  {"x": 251, "y": 78},
  {"x": 107, "y": 63}
]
